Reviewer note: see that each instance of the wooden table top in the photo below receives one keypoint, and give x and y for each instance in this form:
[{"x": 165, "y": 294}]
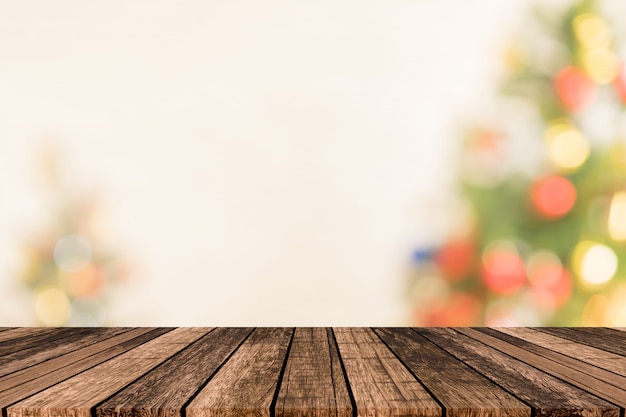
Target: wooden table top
[{"x": 341, "y": 371}]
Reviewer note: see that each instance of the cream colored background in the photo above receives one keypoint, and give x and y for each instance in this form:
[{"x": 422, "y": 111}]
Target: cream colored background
[{"x": 266, "y": 163}]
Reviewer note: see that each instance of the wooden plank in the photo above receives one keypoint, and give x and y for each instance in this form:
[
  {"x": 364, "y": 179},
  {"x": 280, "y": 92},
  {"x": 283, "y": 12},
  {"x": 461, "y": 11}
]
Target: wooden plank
[
  {"x": 549, "y": 396},
  {"x": 584, "y": 353},
  {"x": 580, "y": 374},
  {"x": 313, "y": 383},
  {"x": 76, "y": 396},
  {"x": 380, "y": 384},
  {"x": 39, "y": 353},
  {"x": 22, "y": 384},
  {"x": 246, "y": 384},
  {"x": 605, "y": 339},
  {"x": 164, "y": 391},
  {"x": 33, "y": 336},
  {"x": 461, "y": 390},
  {"x": 18, "y": 332}
]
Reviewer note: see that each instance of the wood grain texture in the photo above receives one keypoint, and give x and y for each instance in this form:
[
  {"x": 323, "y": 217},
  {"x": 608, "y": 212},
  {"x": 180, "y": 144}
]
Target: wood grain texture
[
  {"x": 461, "y": 390},
  {"x": 76, "y": 396},
  {"x": 313, "y": 383},
  {"x": 246, "y": 384},
  {"x": 22, "y": 384},
  {"x": 321, "y": 372},
  {"x": 605, "y": 339},
  {"x": 164, "y": 391},
  {"x": 30, "y": 356},
  {"x": 549, "y": 396},
  {"x": 580, "y": 374},
  {"x": 34, "y": 336},
  {"x": 19, "y": 332},
  {"x": 584, "y": 353},
  {"x": 380, "y": 383}
]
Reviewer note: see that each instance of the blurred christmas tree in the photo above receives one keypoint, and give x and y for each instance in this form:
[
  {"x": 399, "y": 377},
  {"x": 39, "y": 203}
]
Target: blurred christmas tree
[
  {"x": 544, "y": 185},
  {"x": 69, "y": 270}
]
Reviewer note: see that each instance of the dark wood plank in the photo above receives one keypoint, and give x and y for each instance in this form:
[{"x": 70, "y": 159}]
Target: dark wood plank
[
  {"x": 549, "y": 396},
  {"x": 381, "y": 385},
  {"x": 605, "y": 339},
  {"x": 39, "y": 353},
  {"x": 600, "y": 382},
  {"x": 313, "y": 383},
  {"x": 461, "y": 390},
  {"x": 22, "y": 384},
  {"x": 19, "y": 332},
  {"x": 584, "y": 353},
  {"x": 246, "y": 384},
  {"x": 32, "y": 336},
  {"x": 76, "y": 396},
  {"x": 164, "y": 391}
]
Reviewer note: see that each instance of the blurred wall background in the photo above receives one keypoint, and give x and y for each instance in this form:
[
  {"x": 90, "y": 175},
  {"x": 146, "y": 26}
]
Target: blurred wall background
[{"x": 253, "y": 163}]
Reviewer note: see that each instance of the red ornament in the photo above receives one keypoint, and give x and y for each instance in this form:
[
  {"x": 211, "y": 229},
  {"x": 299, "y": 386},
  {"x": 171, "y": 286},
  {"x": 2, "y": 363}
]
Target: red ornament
[
  {"x": 553, "y": 196},
  {"x": 455, "y": 259},
  {"x": 620, "y": 83},
  {"x": 574, "y": 88}
]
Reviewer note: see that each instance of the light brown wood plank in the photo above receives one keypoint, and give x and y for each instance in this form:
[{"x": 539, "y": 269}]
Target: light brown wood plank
[
  {"x": 605, "y": 339},
  {"x": 246, "y": 384},
  {"x": 584, "y": 353},
  {"x": 584, "y": 376},
  {"x": 39, "y": 353},
  {"x": 380, "y": 383},
  {"x": 75, "y": 396},
  {"x": 164, "y": 391},
  {"x": 39, "y": 378},
  {"x": 313, "y": 383},
  {"x": 549, "y": 396},
  {"x": 461, "y": 390}
]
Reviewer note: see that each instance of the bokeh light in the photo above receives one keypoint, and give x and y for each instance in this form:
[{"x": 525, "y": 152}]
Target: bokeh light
[
  {"x": 602, "y": 65},
  {"x": 594, "y": 263},
  {"x": 567, "y": 147},
  {"x": 72, "y": 253},
  {"x": 574, "y": 88},
  {"x": 503, "y": 269},
  {"x": 52, "y": 306},
  {"x": 592, "y": 31},
  {"x": 617, "y": 217},
  {"x": 553, "y": 196}
]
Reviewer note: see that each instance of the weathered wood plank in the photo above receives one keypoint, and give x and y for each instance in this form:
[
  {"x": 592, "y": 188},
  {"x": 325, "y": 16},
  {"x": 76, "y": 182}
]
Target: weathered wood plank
[
  {"x": 18, "y": 332},
  {"x": 549, "y": 396},
  {"x": 85, "y": 357},
  {"x": 461, "y": 390},
  {"x": 313, "y": 383},
  {"x": 164, "y": 391},
  {"x": 246, "y": 384},
  {"x": 76, "y": 396},
  {"x": 381, "y": 385},
  {"x": 584, "y": 353},
  {"x": 33, "y": 336},
  {"x": 37, "y": 378},
  {"x": 39, "y": 353},
  {"x": 605, "y": 339},
  {"x": 580, "y": 374}
]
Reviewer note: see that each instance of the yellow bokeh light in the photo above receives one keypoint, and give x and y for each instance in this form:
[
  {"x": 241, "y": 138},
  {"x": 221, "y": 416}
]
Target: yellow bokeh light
[
  {"x": 594, "y": 312},
  {"x": 594, "y": 263},
  {"x": 617, "y": 217},
  {"x": 601, "y": 65},
  {"x": 592, "y": 31},
  {"x": 567, "y": 147},
  {"x": 52, "y": 307}
]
